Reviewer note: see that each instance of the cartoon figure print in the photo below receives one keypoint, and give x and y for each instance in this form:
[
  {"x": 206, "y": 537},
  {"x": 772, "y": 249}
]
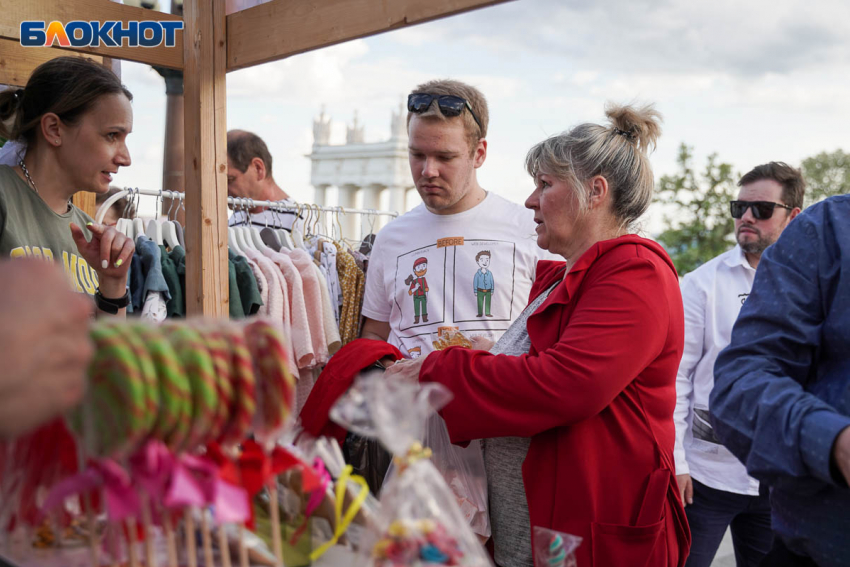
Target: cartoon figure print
[
  {"x": 483, "y": 284},
  {"x": 418, "y": 288},
  {"x": 415, "y": 352}
]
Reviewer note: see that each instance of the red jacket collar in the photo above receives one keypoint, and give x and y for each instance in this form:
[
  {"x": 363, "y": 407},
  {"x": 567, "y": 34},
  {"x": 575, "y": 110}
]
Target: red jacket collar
[{"x": 548, "y": 271}]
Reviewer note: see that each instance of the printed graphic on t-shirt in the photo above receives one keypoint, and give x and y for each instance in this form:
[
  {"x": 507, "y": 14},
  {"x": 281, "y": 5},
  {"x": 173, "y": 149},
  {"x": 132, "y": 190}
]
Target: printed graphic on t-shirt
[
  {"x": 421, "y": 302},
  {"x": 484, "y": 280},
  {"x": 81, "y": 276},
  {"x": 454, "y": 280}
]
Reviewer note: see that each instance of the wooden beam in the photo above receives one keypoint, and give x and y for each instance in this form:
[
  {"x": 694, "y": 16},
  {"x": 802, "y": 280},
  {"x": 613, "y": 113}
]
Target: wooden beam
[
  {"x": 13, "y": 12},
  {"x": 85, "y": 201},
  {"x": 281, "y": 28},
  {"x": 205, "y": 131},
  {"x": 17, "y": 63}
]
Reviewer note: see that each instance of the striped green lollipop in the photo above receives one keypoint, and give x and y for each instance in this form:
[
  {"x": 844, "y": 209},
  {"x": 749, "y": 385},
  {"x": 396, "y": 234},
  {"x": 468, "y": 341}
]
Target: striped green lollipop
[
  {"x": 199, "y": 368},
  {"x": 117, "y": 396},
  {"x": 148, "y": 374},
  {"x": 220, "y": 353},
  {"x": 175, "y": 409}
]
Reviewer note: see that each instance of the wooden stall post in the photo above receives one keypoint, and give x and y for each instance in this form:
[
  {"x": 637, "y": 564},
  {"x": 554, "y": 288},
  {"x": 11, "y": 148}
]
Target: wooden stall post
[{"x": 205, "y": 131}]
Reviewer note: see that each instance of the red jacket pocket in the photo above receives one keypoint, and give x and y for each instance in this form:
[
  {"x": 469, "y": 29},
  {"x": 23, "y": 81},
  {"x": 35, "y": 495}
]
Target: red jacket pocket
[{"x": 616, "y": 545}]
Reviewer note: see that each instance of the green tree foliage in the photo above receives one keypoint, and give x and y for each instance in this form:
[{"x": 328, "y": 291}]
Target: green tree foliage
[
  {"x": 826, "y": 174},
  {"x": 697, "y": 223}
]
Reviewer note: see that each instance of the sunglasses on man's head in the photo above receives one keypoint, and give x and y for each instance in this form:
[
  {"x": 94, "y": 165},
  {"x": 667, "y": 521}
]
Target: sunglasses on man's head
[
  {"x": 450, "y": 105},
  {"x": 761, "y": 209}
]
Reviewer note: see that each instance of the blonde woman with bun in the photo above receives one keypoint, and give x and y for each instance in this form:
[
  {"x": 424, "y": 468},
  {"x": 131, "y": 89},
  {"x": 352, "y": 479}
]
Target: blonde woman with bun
[{"x": 575, "y": 402}]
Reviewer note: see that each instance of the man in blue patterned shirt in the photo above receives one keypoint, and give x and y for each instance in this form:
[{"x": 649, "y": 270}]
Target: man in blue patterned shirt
[{"x": 781, "y": 399}]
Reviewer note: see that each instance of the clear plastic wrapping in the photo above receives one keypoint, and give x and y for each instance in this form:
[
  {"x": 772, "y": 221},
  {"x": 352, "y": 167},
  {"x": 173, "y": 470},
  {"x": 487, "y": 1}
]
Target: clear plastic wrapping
[
  {"x": 553, "y": 548},
  {"x": 420, "y": 521}
]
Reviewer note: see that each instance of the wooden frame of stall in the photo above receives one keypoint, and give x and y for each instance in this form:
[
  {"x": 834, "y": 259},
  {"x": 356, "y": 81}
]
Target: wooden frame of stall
[{"x": 211, "y": 44}]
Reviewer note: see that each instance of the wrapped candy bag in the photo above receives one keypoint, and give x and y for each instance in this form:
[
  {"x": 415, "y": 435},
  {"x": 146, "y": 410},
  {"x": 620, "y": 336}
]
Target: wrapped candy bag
[
  {"x": 553, "y": 548},
  {"x": 420, "y": 522}
]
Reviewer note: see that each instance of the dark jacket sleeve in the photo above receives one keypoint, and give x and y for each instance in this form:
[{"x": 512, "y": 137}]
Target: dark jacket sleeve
[
  {"x": 760, "y": 408},
  {"x": 618, "y": 326}
]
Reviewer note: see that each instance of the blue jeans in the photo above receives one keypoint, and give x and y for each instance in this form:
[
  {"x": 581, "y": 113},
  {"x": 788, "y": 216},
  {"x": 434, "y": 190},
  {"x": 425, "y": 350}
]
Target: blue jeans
[{"x": 713, "y": 511}]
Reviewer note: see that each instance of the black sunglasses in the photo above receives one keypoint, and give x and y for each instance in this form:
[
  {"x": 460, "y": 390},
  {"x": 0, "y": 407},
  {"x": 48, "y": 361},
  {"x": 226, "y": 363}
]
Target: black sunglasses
[
  {"x": 761, "y": 209},
  {"x": 450, "y": 105}
]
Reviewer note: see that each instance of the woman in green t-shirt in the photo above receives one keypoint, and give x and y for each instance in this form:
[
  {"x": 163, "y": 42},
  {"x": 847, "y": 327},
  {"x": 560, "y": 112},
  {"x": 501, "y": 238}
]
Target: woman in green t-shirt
[{"x": 74, "y": 117}]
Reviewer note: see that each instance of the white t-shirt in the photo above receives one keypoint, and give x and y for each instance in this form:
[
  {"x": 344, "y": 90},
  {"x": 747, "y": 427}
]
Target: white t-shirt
[
  {"x": 452, "y": 246},
  {"x": 712, "y": 296}
]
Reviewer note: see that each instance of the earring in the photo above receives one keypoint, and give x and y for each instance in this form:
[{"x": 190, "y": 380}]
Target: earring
[{"x": 57, "y": 142}]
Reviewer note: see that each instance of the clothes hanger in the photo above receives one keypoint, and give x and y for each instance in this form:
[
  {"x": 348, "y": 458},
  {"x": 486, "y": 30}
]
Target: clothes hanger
[
  {"x": 232, "y": 239},
  {"x": 154, "y": 228},
  {"x": 169, "y": 231},
  {"x": 268, "y": 235},
  {"x": 296, "y": 235},
  {"x": 138, "y": 224},
  {"x": 285, "y": 236},
  {"x": 254, "y": 232},
  {"x": 245, "y": 231},
  {"x": 176, "y": 222}
]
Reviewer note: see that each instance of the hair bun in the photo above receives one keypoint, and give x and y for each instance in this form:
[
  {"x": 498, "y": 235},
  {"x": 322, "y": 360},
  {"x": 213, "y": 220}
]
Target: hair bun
[{"x": 640, "y": 125}]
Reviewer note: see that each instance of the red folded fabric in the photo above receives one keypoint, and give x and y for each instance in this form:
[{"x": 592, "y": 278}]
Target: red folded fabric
[{"x": 336, "y": 379}]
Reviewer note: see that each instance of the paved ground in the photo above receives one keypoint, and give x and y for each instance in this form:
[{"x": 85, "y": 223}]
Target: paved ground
[{"x": 725, "y": 555}]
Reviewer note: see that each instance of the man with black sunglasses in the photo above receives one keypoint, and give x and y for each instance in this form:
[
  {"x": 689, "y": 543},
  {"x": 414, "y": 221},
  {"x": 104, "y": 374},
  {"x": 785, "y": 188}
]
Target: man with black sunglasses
[{"x": 715, "y": 487}]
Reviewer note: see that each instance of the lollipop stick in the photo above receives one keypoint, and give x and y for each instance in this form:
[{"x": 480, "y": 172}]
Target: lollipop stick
[
  {"x": 243, "y": 550},
  {"x": 225, "y": 548},
  {"x": 133, "y": 541},
  {"x": 206, "y": 537},
  {"x": 170, "y": 540},
  {"x": 191, "y": 552},
  {"x": 277, "y": 544},
  {"x": 150, "y": 553}
]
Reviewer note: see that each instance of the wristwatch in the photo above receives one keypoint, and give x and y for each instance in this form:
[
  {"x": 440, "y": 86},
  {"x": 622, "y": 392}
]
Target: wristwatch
[{"x": 109, "y": 305}]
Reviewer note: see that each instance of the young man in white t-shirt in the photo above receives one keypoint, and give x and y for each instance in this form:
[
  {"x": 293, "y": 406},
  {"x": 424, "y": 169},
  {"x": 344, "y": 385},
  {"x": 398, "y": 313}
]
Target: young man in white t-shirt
[
  {"x": 463, "y": 259},
  {"x": 458, "y": 227}
]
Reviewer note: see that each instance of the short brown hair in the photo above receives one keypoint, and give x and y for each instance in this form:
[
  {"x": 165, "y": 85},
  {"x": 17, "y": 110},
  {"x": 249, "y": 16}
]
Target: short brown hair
[
  {"x": 66, "y": 86},
  {"x": 244, "y": 146},
  {"x": 482, "y": 253},
  {"x": 791, "y": 180},
  {"x": 473, "y": 96}
]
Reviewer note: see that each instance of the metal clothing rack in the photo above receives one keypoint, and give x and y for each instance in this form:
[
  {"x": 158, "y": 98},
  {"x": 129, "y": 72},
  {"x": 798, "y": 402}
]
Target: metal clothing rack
[{"x": 240, "y": 202}]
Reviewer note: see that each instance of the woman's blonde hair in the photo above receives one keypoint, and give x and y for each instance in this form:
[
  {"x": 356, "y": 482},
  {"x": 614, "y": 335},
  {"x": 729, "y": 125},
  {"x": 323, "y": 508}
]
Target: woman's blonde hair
[{"x": 618, "y": 152}]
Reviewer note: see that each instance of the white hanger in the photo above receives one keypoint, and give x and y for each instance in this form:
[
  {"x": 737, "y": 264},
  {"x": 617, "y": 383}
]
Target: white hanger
[
  {"x": 232, "y": 240},
  {"x": 241, "y": 231},
  {"x": 169, "y": 231},
  {"x": 138, "y": 228},
  {"x": 254, "y": 233},
  {"x": 124, "y": 226},
  {"x": 283, "y": 235},
  {"x": 154, "y": 231}
]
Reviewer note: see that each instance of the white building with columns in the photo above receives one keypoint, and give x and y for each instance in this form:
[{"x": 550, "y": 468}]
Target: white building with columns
[{"x": 362, "y": 173}]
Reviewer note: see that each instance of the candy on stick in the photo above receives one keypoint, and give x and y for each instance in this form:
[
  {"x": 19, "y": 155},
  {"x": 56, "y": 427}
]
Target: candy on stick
[
  {"x": 275, "y": 381},
  {"x": 244, "y": 388},
  {"x": 148, "y": 373},
  {"x": 118, "y": 396},
  {"x": 220, "y": 353},
  {"x": 175, "y": 411},
  {"x": 199, "y": 368}
]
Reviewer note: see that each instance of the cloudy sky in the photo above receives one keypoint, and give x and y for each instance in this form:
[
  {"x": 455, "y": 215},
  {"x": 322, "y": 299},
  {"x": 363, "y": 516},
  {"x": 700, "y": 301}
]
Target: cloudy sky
[{"x": 752, "y": 81}]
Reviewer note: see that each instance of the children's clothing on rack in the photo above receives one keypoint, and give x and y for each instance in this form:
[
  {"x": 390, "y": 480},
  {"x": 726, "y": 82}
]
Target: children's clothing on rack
[{"x": 309, "y": 285}]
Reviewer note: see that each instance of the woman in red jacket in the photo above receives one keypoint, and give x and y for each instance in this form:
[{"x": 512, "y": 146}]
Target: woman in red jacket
[{"x": 581, "y": 389}]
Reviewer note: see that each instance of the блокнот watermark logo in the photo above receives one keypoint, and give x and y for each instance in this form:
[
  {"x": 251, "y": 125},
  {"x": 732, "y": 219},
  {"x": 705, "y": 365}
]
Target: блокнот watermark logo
[{"x": 149, "y": 33}]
